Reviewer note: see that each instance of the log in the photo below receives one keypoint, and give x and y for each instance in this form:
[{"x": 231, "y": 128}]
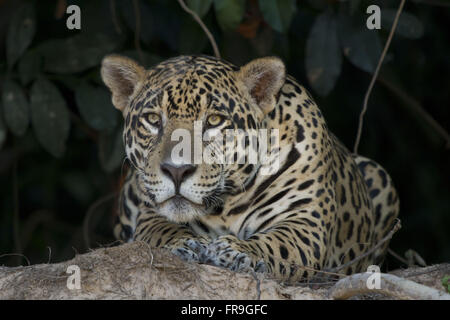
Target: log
[
  {"x": 135, "y": 271},
  {"x": 390, "y": 285}
]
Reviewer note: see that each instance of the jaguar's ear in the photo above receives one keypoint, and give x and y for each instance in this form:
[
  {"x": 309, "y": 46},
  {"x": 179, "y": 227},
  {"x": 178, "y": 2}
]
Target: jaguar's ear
[
  {"x": 122, "y": 76},
  {"x": 263, "y": 78}
]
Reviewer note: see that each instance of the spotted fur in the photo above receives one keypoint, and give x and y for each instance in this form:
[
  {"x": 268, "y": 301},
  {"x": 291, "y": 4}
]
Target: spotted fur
[{"x": 322, "y": 208}]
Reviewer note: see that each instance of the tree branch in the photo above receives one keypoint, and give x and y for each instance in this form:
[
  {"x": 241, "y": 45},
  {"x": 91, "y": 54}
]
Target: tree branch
[
  {"x": 203, "y": 26},
  {"x": 388, "y": 237},
  {"x": 374, "y": 77},
  {"x": 416, "y": 107},
  {"x": 137, "y": 33}
]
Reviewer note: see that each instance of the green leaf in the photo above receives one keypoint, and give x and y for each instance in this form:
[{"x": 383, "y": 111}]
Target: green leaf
[
  {"x": 49, "y": 116},
  {"x": 287, "y": 12},
  {"x": 20, "y": 33},
  {"x": 323, "y": 56},
  {"x": 278, "y": 13},
  {"x": 104, "y": 15},
  {"x": 111, "y": 151},
  {"x": 94, "y": 104},
  {"x": 77, "y": 53},
  {"x": 408, "y": 25},
  {"x": 359, "y": 44},
  {"x": 229, "y": 13},
  {"x": 200, "y": 7},
  {"x": 271, "y": 14},
  {"x": 29, "y": 66},
  {"x": 15, "y": 108},
  {"x": 446, "y": 283}
]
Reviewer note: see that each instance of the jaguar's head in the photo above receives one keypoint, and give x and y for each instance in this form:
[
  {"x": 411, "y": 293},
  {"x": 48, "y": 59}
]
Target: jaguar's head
[{"x": 185, "y": 125}]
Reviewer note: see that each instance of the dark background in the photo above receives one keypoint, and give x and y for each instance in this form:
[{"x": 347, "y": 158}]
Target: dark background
[{"x": 60, "y": 137}]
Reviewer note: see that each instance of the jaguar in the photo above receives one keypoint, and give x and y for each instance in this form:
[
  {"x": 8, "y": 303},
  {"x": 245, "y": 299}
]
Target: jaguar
[{"x": 309, "y": 205}]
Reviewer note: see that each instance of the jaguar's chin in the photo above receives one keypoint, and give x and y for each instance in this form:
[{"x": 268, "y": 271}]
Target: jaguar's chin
[{"x": 181, "y": 210}]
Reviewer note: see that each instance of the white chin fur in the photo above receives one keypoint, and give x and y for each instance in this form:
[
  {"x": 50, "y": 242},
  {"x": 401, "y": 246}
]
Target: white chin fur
[{"x": 180, "y": 210}]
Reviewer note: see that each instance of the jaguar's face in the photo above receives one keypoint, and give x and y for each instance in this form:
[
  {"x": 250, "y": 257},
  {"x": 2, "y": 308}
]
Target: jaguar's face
[
  {"x": 185, "y": 125},
  {"x": 178, "y": 125}
]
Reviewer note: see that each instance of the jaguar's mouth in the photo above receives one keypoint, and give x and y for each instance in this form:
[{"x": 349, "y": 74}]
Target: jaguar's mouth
[
  {"x": 180, "y": 209},
  {"x": 177, "y": 200}
]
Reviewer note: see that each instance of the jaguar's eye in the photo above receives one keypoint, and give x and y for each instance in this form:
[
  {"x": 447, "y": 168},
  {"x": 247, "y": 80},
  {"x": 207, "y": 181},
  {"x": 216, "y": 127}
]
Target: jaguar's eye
[
  {"x": 214, "y": 120},
  {"x": 153, "y": 119}
]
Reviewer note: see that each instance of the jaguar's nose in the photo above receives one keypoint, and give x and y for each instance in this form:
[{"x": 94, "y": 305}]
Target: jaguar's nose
[{"x": 178, "y": 173}]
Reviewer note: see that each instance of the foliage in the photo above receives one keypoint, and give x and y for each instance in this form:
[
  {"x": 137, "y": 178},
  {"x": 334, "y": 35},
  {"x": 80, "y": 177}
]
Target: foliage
[
  {"x": 60, "y": 136},
  {"x": 446, "y": 283}
]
